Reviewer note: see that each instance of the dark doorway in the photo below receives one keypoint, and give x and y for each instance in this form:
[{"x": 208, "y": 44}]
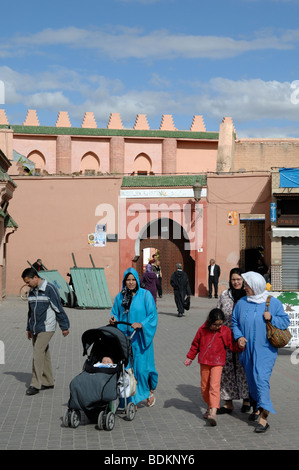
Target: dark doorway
[
  {"x": 252, "y": 242},
  {"x": 168, "y": 238}
]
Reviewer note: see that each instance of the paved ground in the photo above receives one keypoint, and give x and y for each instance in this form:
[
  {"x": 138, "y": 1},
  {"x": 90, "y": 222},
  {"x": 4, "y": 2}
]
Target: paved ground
[{"x": 175, "y": 423}]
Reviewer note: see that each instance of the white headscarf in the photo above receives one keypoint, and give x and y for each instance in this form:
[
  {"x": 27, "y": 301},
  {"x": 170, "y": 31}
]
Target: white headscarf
[{"x": 258, "y": 285}]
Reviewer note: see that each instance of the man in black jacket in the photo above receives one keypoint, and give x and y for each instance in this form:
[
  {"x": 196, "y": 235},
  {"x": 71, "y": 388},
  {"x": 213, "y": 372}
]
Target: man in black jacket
[
  {"x": 181, "y": 288},
  {"x": 214, "y": 274}
]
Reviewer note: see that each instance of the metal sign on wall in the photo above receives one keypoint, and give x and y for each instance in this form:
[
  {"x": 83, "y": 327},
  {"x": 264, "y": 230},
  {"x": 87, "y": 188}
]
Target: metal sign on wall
[
  {"x": 290, "y": 301},
  {"x": 161, "y": 192}
]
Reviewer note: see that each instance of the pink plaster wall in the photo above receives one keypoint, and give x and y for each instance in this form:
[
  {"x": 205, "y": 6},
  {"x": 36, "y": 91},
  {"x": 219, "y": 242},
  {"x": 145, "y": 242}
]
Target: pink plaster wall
[
  {"x": 152, "y": 148},
  {"x": 55, "y": 216},
  {"x": 199, "y": 157},
  {"x": 165, "y": 155},
  {"x": 147, "y": 214},
  {"x": 6, "y": 142},
  {"x": 248, "y": 194},
  {"x": 100, "y": 147},
  {"x": 43, "y": 144}
]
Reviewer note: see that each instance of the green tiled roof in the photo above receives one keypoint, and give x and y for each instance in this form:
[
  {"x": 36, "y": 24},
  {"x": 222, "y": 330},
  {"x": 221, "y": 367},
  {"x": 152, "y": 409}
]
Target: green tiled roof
[
  {"x": 111, "y": 132},
  {"x": 3, "y": 157},
  {"x": 8, "y": 220},
  {"x": 160, "y": 181},
  {"x": 5, "y": 177}
]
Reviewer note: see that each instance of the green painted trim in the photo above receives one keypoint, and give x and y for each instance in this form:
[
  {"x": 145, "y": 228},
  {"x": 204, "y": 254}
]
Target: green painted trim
[
  {"x": 38, "y": 130},
  {"x": 160, "y": 181}
]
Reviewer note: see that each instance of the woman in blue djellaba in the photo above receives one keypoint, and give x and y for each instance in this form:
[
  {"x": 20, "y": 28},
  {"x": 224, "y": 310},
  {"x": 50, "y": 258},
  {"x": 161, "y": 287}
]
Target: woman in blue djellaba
[
  {"x": 259, "y": 356},
  {"x": 136, "y": 306}
]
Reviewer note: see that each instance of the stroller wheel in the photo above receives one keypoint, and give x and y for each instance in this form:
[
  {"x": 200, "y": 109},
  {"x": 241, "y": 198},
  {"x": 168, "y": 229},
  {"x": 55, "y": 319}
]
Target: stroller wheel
[
  {"x": 101, "y": 421},
  {"x": 75, "y": 418},
  {"x": 130, "y": 411},
  {"x": 110, "y": 420},
  {"x": 66, "y": 419}
]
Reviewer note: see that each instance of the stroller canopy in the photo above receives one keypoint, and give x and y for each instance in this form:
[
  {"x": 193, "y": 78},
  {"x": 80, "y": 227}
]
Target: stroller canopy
[{"x": 107, "y": 341}]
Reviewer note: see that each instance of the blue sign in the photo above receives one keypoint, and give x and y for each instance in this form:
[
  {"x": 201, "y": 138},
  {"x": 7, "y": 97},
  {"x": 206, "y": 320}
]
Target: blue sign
[{"x": 273, "y": 211}]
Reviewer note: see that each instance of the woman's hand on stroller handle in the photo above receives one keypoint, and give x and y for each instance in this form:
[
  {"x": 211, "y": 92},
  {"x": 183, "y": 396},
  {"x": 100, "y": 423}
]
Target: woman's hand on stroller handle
[{"x": 134, "y": 325}]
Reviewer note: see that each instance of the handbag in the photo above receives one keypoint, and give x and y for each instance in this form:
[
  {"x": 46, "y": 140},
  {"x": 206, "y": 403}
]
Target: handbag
[
  {"x": 127, "y": 384},
  {"x": 277, "y": 338},
  {"x": 132, "y": 381},
  {"x": 186, "y": 303}
]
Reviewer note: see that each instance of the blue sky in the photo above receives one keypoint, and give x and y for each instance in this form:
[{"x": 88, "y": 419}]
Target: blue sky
[{"x": 236, "y": 58}]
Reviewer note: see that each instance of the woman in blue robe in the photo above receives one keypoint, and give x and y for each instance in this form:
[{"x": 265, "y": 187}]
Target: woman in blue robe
[
  {"x": 136, "y": 306},
  {"x": 259, "y": 356}
]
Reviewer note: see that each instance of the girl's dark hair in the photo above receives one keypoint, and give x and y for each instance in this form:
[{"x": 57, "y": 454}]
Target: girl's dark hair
[{"x": 215, "y": 315}]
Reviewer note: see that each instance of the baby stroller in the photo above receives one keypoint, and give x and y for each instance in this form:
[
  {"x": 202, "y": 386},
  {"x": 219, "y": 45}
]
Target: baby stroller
[{"x": 96, "y": 390}]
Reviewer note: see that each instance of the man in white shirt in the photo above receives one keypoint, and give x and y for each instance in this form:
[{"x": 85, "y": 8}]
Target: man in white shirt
[{"x": 214, "y": 274}]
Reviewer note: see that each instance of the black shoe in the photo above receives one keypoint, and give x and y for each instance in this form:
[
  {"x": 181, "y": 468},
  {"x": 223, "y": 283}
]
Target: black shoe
[
  {"x": 32, "y": 391},
  {"x": 245, "y": 408},
  {"x": 216, "y": 296},
  {"x": 180, "y": 314},
  {"x": 224, "y": 410},
  {"x": 253, "y": 416},
  {"x": 260, "y": 428},
  {"x": 46, "y": 387}
]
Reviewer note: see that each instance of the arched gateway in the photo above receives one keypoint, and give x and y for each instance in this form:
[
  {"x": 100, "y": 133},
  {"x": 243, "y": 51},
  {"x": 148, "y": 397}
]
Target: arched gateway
[{"x": 171, "y": 240}]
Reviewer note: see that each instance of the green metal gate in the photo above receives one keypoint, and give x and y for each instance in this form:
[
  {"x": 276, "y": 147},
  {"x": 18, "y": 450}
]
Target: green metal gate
[{"x": 90, "y": 287}]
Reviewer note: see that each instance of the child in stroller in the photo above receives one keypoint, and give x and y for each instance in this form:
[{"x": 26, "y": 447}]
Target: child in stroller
[{"x": 96, "y": 390}]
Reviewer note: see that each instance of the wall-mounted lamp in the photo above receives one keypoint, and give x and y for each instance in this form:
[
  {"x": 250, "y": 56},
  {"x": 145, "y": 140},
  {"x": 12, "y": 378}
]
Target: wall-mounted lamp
[{"x": 197, "y": 188}]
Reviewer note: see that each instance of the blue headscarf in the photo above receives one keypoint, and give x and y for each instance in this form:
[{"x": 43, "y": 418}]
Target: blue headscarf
[{"x": 128, "y": 293}]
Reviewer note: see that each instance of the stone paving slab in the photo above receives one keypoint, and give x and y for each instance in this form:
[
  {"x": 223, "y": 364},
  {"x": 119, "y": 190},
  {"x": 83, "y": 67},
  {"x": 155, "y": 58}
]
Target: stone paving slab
[{"x": 175, "y": 423}]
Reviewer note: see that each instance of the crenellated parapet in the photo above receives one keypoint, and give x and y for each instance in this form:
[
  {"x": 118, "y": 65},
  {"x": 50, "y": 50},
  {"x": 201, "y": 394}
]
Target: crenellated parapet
[
  {"x": 31, "y": 118},
  {"x": 114, "y": 121}
]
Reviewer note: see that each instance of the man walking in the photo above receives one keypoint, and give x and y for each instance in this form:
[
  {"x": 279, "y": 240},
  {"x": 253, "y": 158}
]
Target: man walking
[
  {"x": 181, "y": 288},
  {"x": 214, "y": 274},
  {"x": 45, "y": 310}
]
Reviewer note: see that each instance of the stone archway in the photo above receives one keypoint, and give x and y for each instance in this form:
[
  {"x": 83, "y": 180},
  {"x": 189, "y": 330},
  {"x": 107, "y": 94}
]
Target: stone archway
[{"x": 170, "y": 239}]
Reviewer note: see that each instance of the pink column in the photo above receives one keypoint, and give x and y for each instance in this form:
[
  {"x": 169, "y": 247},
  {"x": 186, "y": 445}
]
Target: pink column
[
  {"x": 64, "y": 154},
  {"x": 117, "y": 154},
  {"x": 169, "y": 147}
]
